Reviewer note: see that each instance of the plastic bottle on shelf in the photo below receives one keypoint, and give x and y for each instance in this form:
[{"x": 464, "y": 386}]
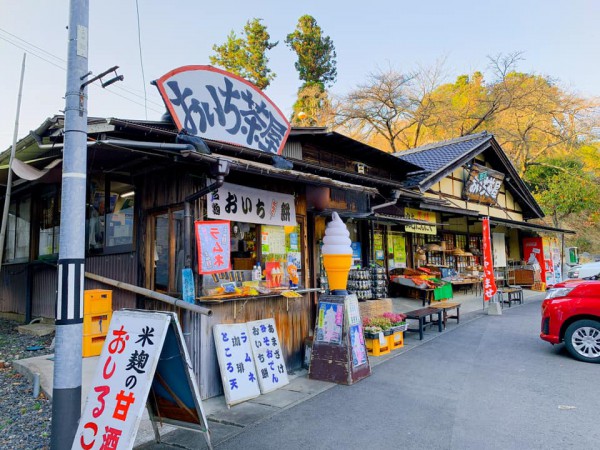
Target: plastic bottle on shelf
[{"x": 256, "y": 272}]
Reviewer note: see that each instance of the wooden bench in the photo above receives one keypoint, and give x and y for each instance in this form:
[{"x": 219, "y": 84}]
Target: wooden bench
[
  {"x": 514, "y": 294},
  {"x": 448, "y": 306},
  {"x": 421, "y": 315}
]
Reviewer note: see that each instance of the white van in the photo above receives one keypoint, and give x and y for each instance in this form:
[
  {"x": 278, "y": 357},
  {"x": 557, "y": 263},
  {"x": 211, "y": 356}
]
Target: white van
[{"x": 589, "y": 271}]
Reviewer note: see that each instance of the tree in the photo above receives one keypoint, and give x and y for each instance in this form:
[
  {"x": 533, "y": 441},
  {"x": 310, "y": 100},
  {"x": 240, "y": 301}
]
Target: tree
[
  {"x": 313, "y": 108},
  {"x": 392, "y": 110},
  {"x": 246, "y": 56},
  {"x": 563, "y": 187},
  {"x": 316, "y": 62},
  {"x": 530, "y": 115}
]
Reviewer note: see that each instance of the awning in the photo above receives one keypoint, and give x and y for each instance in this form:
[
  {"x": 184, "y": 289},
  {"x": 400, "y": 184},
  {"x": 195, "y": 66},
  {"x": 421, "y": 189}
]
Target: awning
[
  {"x": 448, "y": 209},
  {"x": 401, "y": 220},
  {"x": 248, "y": 166},
  {"x": 527, "y": 226}
]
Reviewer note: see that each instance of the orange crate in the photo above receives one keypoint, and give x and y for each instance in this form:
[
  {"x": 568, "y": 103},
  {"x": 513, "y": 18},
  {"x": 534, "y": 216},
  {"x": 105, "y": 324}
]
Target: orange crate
[
  {"x": 375, "y": 348},
  {"x": 97, "y": 301},
  {"x": 96, "y": 323},
  {"x": 92, "y": 345},
  {"x": 396, "y": 340}
]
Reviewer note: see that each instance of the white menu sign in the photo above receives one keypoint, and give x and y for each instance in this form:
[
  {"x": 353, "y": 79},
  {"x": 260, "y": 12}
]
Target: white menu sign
[
  {"x": 234, "y": 354},
  {"x": 270, "y": 364}
]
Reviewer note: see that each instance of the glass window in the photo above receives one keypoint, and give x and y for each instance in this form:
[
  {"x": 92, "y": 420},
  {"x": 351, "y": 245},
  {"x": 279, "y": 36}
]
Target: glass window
[
  {"x": 168, "y": 251},
  {"x": 110, "y": 215},
  {"x": 49, "y": 224},
  {"x": 17, "y": 237}
]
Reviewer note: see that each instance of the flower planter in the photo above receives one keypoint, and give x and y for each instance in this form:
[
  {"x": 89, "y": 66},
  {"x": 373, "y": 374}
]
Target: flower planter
[{"x": 401, "y": 327}]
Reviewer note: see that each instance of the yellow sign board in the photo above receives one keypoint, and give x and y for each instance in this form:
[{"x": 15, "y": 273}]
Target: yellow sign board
[{"x": 425, "y": 216}]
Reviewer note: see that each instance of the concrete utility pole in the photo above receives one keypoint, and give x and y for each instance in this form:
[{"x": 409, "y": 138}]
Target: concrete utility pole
[{"x": 66, "y": 392}]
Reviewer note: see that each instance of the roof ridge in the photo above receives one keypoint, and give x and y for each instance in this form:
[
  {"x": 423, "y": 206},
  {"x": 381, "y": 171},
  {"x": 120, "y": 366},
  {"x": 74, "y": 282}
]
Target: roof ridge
[{"x": 432, "y": 145}]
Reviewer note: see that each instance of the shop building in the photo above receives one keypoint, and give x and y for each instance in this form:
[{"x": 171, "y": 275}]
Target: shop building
[
  {"x": 464, "y": 180},
  {"x": 144, "y": 176}
]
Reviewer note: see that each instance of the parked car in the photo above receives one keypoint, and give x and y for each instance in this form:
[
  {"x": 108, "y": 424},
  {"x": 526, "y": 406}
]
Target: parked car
[
  {"x": 588, "y": 271},
  {"x": 571, "y": 314}
]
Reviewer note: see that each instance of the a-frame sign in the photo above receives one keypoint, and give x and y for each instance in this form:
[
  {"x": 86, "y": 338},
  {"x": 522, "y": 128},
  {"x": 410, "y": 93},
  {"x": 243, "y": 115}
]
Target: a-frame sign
[{"x": 144, "y": 362}]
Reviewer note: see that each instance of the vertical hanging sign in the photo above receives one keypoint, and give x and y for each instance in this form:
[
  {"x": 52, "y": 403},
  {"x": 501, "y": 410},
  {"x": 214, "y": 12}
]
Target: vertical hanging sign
[
  {"x": 214, "y": 246},
  {"x": 489, "y": 283}
]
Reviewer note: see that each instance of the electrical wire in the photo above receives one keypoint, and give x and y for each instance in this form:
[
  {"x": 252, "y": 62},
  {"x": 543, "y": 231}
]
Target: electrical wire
[
  {"x": 137, "y": 10},
  {"x": 35, "y": 50}
]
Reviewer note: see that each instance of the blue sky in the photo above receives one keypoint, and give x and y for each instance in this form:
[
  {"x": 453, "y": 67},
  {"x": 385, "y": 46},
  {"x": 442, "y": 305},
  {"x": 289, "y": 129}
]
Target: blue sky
[{"x": 558, "y": 38}]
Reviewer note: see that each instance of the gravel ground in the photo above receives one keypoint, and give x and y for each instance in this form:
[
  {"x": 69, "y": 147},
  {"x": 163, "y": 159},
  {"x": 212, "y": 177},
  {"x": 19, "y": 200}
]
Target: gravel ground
[{"x": 24, "y": 420}]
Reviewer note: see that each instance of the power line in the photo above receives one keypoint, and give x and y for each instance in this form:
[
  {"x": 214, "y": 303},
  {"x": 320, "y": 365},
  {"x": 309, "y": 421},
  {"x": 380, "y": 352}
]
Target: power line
[
  {"x": 44, "y": 52},
  {"x": 137, "y": 10}
]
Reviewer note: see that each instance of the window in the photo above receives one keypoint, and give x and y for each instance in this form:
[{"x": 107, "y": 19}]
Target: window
[
  {"x": 49, "y": 223},
  {"x": 167, "y": 251},
  {"x": 17, "y": 238},
  {"x": 110, "y": 215}
]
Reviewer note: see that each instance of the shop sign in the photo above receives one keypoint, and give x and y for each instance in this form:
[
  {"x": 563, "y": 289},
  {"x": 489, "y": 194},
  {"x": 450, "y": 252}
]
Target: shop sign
[
  {"x": 425, "y": 216},
  {"x": 268, "y": 356},
  {"x": 142, "y": 349},
  {"x": 489, "y": 283},
  {"x": 483, "y": 184},
  {"x": 244, "y": 204},
  {"x": 214, "y": 246},
  {"x": 238, "y": 371},
  {"x": 210, "y": 103}
]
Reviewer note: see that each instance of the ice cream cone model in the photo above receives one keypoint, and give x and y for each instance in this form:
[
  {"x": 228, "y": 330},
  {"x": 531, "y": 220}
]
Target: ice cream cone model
[{"x": 337, "y": 253}]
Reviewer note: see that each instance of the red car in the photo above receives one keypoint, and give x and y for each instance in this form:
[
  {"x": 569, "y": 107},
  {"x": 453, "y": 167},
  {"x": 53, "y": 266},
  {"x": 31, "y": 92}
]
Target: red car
[{"x": 571, "y": 314}]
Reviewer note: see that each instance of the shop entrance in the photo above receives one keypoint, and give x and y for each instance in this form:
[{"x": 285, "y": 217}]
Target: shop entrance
[{"x": 167, "y": 241}]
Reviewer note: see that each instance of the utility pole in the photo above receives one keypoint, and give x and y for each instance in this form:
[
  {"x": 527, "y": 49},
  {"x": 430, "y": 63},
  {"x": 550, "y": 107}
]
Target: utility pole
[{"x": 66, "y": 392}]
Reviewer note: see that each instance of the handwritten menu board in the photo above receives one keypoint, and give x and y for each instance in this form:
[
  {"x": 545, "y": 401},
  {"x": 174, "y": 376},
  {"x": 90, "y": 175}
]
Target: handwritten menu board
[
  {"x": 238, "y": 371},
  {"x": 273, "y": 240},
  {"x": 330, "y": 322},
  {"x": 270, "y": 364}
]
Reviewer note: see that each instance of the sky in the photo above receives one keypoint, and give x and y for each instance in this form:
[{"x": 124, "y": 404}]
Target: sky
[{"x": 557, "y": 38}]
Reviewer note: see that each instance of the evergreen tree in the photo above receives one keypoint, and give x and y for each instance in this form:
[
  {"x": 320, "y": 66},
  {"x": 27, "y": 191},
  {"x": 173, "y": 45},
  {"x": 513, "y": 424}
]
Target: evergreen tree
[
  {"x": 316, "y": 62},
  {"x": 246, "y": 55}
]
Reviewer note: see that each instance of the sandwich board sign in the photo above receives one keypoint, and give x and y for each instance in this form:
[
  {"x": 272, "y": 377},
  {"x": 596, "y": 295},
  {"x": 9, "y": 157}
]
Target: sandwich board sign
[
  {"x": 144, "y": 361},
  {"x": 268, "y": 357},
  {"x": 234, "y": 353}
]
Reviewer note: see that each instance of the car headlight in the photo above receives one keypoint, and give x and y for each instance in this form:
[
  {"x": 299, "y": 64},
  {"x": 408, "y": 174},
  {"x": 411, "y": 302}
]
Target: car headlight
[{"x": 559, "y": 292}]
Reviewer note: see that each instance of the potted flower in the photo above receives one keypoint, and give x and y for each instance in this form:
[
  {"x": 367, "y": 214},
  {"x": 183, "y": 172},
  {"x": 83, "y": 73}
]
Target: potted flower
[
  {"x": 372, "y": 332},
  {"x": 384, "y": 323},
  {"x": 398, "y": 321}
]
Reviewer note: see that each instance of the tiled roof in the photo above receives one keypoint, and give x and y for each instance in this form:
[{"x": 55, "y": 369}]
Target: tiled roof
[{"x": 436, "y": 156}]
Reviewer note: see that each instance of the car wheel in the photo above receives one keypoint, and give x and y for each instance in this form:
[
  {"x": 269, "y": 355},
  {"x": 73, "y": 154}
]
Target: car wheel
[{"x": 582, "y": 340}]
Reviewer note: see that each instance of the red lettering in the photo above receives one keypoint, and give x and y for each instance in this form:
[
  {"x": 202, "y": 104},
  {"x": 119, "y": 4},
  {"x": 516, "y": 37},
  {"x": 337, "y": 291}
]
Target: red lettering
[{"x": 90, "y": 426}]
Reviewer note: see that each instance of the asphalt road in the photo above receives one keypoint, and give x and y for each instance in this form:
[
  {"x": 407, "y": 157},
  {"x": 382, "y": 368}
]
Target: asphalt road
[{"x": 488, "y": 384}]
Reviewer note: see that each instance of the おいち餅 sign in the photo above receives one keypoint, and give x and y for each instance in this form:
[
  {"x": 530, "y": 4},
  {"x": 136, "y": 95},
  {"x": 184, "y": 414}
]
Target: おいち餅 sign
[{"x": 214, "y": 104}]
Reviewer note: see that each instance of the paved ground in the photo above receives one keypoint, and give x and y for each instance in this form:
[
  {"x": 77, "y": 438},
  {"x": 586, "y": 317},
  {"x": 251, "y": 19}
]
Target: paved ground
[
  {"x": 489, "y": 384},
  {"x": 400, "y": 366}
]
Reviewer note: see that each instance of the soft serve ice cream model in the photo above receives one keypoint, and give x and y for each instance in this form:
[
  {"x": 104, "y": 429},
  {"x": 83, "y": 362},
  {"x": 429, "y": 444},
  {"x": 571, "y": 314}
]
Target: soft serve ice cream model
[{"x": 337, "y": 253}]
